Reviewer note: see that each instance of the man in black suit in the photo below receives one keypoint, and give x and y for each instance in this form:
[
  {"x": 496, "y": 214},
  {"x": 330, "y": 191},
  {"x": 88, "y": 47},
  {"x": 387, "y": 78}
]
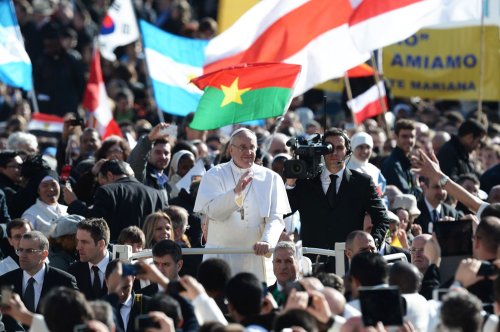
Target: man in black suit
[
  {"x": 432, "y": 207},
  {"x": 126, "y": 304},
  {"x": 331, "y": 209},
  {"x": 167, "y": 256},
  {"x": 92, "y": 238},
  {"x": 34, "y": 278},
  {"x": 121, "y": 200}
]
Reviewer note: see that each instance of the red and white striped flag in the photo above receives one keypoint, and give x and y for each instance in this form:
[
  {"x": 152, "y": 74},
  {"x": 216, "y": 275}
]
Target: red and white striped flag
[
  {"x": 46, "y": 122},
  {"x": 378, "y": 23},
  {"x": 312, "y": 33},
  {"x": 95, "y": 101},
  {"x": 367, "y": 103}
]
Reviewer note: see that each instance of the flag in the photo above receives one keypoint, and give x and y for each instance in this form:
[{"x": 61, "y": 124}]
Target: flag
[
  {"x": 375, "y": 23},
  {"x": 95, "y": 100},
  {"x": 118, "y": 28},
  {"x": 366, "y": 101},
  {"x": 15, "y": 64},
  {"x": 172, "y": 62},
  {"x": 244, "y": 93},
  {"x": 312, "y": 33},
  {"x": 362, "y": 70},
  {"x": 46, "y": 122}
]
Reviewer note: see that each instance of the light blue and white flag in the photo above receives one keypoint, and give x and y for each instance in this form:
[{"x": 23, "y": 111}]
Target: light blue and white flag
[
  {"x": 15, "y": 64},
  {"x": 172, "y": 62}
]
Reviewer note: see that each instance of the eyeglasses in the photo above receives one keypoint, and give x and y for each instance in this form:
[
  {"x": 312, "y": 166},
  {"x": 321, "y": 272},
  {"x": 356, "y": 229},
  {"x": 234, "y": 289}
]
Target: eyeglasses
[
  {"x": 416, "y": 251},
  {"x": 245, "y": 148},
  {"x": 28, "y": 251}
]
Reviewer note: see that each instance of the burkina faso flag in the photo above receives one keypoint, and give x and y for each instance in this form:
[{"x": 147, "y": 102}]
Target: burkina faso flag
[{"x": 244, "y": 93}]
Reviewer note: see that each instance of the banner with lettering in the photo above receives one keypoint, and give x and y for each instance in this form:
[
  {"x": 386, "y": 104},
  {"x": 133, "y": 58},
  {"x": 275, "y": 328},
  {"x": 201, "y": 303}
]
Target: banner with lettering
[{"x": 444, "y": 64}]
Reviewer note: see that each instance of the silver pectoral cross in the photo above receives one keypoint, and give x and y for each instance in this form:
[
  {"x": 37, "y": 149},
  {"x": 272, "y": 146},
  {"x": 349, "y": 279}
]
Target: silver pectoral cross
[{"x": 242, "y": 213}]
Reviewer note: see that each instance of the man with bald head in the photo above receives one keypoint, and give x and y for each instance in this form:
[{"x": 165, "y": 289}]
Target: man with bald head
[
  {"x": 358, "y": 241},
  {"x": 245, "y": 204},
  {"x": 427, "y": 262}
]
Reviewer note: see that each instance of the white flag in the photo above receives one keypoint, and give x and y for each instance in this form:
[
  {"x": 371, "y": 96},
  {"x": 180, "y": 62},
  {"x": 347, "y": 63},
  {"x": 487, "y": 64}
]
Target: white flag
[{"x": 118, "y": 28}]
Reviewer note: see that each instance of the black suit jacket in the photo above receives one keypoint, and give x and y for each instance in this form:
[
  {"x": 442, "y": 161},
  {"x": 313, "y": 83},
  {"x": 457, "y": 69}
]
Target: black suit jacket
[
  {"x": 323, "y": 225},
  {"x": 139, "y": 306},
  {"x": 187, "y": 309},
  {"x": 125, "y": 202},
  {"x": 425, "y": 216},
  {"x": 81, "y": 271},
  {"x": 53, "y": 278}
]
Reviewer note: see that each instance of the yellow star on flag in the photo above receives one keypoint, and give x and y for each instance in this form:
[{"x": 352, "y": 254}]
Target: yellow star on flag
[{"x": 232, "y": 94}]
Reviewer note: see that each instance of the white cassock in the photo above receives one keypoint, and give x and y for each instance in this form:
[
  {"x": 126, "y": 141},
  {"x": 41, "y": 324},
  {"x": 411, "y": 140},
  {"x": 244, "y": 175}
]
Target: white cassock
[{"x": 264, "y": 203}]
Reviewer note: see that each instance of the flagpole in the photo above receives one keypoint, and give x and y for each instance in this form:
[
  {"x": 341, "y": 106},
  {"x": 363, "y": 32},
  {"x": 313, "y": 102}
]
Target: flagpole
[
  {"x": 380, "y": 98},
  {"x": 481, "y": 65},
  {"x": 349, "y": 96}
]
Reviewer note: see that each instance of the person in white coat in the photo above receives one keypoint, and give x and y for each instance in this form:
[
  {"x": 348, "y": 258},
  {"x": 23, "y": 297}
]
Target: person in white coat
[
  {"x": 362, "y": 145},
  {"x": 245, "y": 204},
  {"x": 46, "y": 210}
]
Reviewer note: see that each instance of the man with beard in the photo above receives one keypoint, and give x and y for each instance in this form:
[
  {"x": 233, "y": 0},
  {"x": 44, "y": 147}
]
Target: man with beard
[{"x": 150, "y": 158}]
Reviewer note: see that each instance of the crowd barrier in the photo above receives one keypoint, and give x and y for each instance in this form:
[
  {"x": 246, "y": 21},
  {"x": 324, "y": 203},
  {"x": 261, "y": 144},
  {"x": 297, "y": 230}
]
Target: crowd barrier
[{"x": 124, "y": 252}]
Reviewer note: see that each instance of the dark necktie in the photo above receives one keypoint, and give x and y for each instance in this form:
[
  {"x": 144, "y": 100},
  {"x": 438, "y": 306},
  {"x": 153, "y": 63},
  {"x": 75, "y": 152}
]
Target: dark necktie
[
  {"x": 331, "y": 193},
  {"x": 96, "y": 285},
  {"x": 435, "y": 215},
  {"x": 29, "y": 295}
]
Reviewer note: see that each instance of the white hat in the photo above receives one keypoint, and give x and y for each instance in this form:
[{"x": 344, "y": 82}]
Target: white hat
[
  {"x": 407, "y": 202},
  {"x": 66, "y": 225},
  {"x": 361, "y": 138}
]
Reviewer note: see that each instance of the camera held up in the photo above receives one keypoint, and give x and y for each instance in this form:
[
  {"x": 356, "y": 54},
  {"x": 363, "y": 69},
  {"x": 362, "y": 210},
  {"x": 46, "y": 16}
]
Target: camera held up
[{"x": 306, "y": 162}]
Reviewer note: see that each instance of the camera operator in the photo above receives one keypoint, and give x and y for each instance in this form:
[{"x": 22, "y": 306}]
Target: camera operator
[{"x": 333, "y": 203}]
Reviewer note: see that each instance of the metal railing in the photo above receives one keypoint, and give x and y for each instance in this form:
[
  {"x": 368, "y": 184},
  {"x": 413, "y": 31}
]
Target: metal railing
[{"x": 124, "y": 252}]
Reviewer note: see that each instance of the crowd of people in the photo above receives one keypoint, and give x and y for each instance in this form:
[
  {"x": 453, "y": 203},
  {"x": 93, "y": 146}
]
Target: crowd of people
[{"x": 389, "y": 188}]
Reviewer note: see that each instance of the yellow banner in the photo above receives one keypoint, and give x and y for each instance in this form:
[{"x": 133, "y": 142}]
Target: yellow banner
[
  {"x": 231, "y": 10},
  {"x": 444, "y": 64}
]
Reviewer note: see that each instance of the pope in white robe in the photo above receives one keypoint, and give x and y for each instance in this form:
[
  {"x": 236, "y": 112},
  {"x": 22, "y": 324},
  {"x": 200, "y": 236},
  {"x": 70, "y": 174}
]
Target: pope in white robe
[{"x": 245, "y": 204}]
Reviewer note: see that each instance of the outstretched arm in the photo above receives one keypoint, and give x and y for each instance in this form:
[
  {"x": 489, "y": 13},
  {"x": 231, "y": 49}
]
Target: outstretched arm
[{"x": 428, "y": 166}]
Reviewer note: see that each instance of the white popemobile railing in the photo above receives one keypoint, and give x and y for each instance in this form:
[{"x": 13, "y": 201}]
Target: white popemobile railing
[{"x": 124, "y": 252}]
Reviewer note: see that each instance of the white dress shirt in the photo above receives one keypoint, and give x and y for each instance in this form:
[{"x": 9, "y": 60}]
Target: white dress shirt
[
  {"x": 37, "y": 285},
  {"x": 102, "y": 268},
  {"x": 125, "y": 311}
]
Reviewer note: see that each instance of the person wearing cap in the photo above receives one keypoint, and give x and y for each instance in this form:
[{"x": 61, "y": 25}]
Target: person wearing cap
[
  {"x": 405, "y": 207},
  {"x": 362, "y": 145},
  {"x": 397, "y": 167},
  {"x": 62, "y": 252},
  {"x": 46, "y": 210},
  {"x": 245, "y": 204}
]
